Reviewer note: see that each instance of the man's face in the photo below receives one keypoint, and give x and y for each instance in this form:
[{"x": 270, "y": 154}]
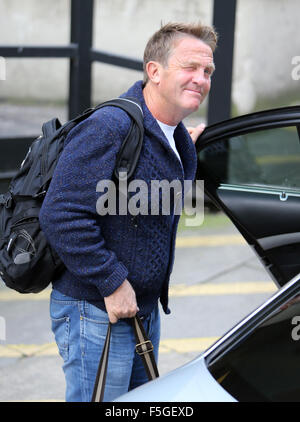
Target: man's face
[{"x": 185, "y": 81}]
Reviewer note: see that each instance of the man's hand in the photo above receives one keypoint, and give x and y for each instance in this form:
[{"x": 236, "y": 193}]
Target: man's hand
[
  {"x": 195, "y": 132},
  {"x": 121, "y": 303}
]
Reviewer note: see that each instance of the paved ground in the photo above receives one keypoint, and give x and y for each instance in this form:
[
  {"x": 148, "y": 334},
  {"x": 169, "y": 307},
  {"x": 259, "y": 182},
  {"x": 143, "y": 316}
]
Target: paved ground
[{"x": 216, "y": 281}]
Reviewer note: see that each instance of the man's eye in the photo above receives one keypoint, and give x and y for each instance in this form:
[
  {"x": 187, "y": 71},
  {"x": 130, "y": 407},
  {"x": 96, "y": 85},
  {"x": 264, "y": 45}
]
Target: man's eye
[
  {"x": 210, "y": 71},
  {"x": 190, "y": 67}
]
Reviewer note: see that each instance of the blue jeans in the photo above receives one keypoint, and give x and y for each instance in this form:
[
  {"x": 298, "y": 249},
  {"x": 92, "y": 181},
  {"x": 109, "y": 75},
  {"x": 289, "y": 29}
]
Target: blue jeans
[{"x": 80, "y": 331}]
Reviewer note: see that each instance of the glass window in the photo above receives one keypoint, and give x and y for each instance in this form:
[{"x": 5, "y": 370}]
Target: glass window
[
  {"x": 262, "y": 158},
  {"x": 266, "y": 365}
]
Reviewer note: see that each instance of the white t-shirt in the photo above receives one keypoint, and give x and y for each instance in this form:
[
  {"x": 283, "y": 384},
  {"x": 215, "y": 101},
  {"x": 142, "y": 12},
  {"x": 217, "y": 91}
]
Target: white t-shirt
[{"x": 169, "y": 133}]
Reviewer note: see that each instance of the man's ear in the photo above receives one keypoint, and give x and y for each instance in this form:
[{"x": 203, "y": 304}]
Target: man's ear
[{"x": 153, "y": 71}]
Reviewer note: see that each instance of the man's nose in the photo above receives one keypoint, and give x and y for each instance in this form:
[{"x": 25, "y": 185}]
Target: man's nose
[{"x": 200, "y": 77}]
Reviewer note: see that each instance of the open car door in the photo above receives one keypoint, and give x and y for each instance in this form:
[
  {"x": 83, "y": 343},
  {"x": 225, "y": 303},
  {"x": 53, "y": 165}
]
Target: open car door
[{"x": 251, "y": 170}]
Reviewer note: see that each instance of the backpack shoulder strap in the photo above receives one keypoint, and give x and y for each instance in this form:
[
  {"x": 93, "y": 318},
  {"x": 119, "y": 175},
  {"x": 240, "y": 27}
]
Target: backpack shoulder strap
[
  {"x": 129, "y": 153},
  {"x": 131, "y": 105},
  {"x": 49, "y": 128}
]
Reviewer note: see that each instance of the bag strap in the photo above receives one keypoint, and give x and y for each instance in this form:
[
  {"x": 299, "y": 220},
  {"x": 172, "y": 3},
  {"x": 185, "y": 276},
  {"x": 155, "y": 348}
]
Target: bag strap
[
  {"x": 102, "y": 369},
  {"x": 130, "y": 150},
  {"x": 143, "y": 347}
]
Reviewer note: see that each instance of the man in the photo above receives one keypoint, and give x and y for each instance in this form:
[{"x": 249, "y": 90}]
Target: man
[{"x": 120, "y": 265}]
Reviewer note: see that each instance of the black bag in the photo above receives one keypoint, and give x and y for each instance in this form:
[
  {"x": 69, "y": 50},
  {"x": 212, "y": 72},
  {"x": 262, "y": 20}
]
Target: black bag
[{"x": 27, "y": 262}]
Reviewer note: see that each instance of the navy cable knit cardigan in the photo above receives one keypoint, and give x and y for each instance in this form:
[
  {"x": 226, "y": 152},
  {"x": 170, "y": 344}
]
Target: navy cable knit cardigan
[{"x": 100, "y": 252}]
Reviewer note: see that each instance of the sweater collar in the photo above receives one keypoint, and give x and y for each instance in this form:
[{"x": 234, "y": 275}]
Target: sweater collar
[{"x": 182, "y": 138}]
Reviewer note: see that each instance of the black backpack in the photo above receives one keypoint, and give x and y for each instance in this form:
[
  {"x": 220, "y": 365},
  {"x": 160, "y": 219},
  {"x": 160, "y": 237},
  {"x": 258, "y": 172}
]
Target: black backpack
[{"x": 27, "y": 262}]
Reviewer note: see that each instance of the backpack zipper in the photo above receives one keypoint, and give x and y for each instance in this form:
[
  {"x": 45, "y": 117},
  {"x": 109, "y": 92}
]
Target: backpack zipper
[{"x": 23, "y": 220}]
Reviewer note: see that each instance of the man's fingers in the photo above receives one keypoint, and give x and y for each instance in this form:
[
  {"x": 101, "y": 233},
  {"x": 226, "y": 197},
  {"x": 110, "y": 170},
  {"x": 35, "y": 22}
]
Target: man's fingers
[
  {"x": 130, "y": 312},
  {"x": 121, "y": 303},
  {"x": 112, "y": 318},
  {"x": 195, "y": 132},
  {"x": 115, "y": 315}
]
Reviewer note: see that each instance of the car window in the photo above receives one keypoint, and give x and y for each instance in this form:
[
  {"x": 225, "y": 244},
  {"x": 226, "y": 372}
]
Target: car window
[
  {"x": 265, "y": 366},
  {"x": 268, "y": 158}
]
